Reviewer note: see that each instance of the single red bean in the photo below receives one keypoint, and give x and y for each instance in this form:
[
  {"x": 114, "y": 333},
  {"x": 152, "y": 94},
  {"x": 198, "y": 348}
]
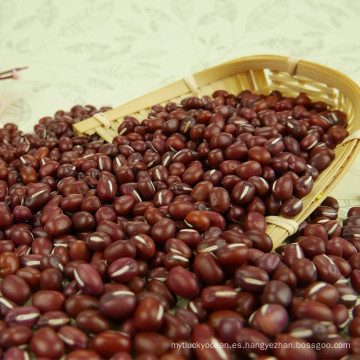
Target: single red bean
[
  {"x": 108, "y": 304},
  {"x": 108, "y": 343},
  {"x": 290, "y": 347},
  {"x": 305, "y": 271},
  {"x": 218, "y": 297},
  {"x": 119, "y": 249},
  {"x": 311, "y": 309},
  {"x": 15, "y": 289},
  {"x": 15, "y": 336},
  {"x": 47, "y": 343},
  {"x": 198, "y": 220},
  {"x": 79, "y": 302},
  {"x": 149, "y": 315},
  {"x": 9, "y": 263},
  {"x": 25, "y": 315},
  {"x": 283, "y": 188},
  {"x": 48, "y": 300},
  {"x": 91, "y": 321},
  {"x": 248, "y": 337},
  {"x": 73, "y": 337},
  {"x": 123, "y": 269},
  {"x": 88, "y": 279},
  {"x": 58, "y": 225},
  {"x": 151, "y": 342},
  {"x": 163, "y": 230},
  {"x": 251, "y": 278},
  {"x": 182, "y": 282},
  {"x": 270, "y": 319},
  {"x": 326, "y": 268}
]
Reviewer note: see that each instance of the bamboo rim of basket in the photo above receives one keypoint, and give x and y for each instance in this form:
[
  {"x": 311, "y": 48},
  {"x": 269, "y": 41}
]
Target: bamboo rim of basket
[{"x": 261, "y": 74}]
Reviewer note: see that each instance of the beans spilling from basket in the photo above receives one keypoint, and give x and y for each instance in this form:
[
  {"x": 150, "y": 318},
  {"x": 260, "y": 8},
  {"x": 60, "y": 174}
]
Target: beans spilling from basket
[{"x": 101, "y": 243}]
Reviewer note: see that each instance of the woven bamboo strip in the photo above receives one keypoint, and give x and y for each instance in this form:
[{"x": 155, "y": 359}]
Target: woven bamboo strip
[{"x": 261, "y": 74}]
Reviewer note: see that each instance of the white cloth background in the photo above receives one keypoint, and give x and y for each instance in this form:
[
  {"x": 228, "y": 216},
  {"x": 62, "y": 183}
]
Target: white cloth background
[{"x": 106, "y": 52}]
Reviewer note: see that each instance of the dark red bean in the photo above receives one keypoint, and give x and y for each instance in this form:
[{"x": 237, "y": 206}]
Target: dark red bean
[
  {"x": 277, "y": 292},
  {"x": 108, "y": 343},
  {"x": 322, "y": 292},
  {"x": 47, "y": 343},
  {"x": 149, "y": 315},
  {"x": 15, "y": 336},
  {"x": 219, "y": 199},
  {"x": 79, "y": 302},
  {"x": 83, "y": 355},
  {"x": 9, "y": 263},
  {"x": 198, "y": 220},
  {"x": 308, "y": 329},
  {"x": 91, "y": 321},
  {"x": 151, "y": 342},
  {"x": 163, "y": 230},
  {"x": 88, "y": 279},
  {"x": 218, "y": 297},
  {"x": 123, "y": 269},
  {"x": 283, "y": 188},
  {"x": 16, "y": 353},
  {"x": 260, "y": 239},
  {"x": 251, "y": 341},
  {"x": 251, "y": 278},
  {"x": 108, "y": 304},
  {"x": 183, "y": 283},
  {"x": 290, "y": 347},
  {"x": 73, "y": 337},
  {"x": 270, "y": 319},
  {"x": 326, "y": 268},
  {"x": 53, "y": 319},
  {"x": 243, "y": 192},
  {"x": 15, "y": 288},
  {"x": 48, "y": 300},
  {"x": 311, "y": 309},
  {"x": 58, "y": 225},
  {"x": 305, "y": 271},
  {"x": 25, "y": 315}
]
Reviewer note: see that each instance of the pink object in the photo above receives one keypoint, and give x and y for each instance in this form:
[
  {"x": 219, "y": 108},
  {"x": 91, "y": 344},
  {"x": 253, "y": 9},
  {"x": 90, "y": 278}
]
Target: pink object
[{"x": 15, "y": 75}]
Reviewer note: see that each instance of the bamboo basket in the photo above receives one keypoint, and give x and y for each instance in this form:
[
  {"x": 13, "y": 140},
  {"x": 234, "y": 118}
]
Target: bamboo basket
[{"x": 260, "y": 74}]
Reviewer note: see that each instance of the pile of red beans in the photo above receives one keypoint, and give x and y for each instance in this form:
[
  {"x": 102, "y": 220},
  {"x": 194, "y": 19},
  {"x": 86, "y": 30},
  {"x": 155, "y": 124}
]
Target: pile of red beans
[{"x": 154, "y": 246}]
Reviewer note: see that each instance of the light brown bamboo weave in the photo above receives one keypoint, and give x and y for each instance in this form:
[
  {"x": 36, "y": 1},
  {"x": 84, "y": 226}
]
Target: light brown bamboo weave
[{"x": 260, "y": 74}]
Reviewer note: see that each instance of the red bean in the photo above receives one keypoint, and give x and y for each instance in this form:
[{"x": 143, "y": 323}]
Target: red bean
[
  {"x": 326, "y": 268},
  {"x": 183, "y": 283},
  {"x": 9, "y": 263},
  {"x": 88, "y": 279},
  {"x": 218, "y": 297},
  {"x": 151, "y": 343},
  {"x": 58, "y": 225},
  {"x": 219, "y": 199},
  {"x": 73, "y": 337},
  {"x": 91, "y": 321},
  {"x": 292, "y": 347},
  {"x": 270, "y": 319},
  {"x": 15, "y": 336},
  {"x": 163, "y": 230},
  {"x": 123, "y": 269},
  {"x": 251, "y": 278},
  {"x": 198, "y": 220},
  {"x": 47, "y": 343},
  {"x": 15, "y": 289},
  {"x": 149, "y": 315},
  {"x": 48, "y": 300},
  {"x": 108, "y": 343},
  {"x": 108, "y": 304}
]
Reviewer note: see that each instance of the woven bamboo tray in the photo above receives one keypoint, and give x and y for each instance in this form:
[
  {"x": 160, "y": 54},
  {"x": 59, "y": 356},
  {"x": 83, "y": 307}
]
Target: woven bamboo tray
[{"x": 260, "y": 74}]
